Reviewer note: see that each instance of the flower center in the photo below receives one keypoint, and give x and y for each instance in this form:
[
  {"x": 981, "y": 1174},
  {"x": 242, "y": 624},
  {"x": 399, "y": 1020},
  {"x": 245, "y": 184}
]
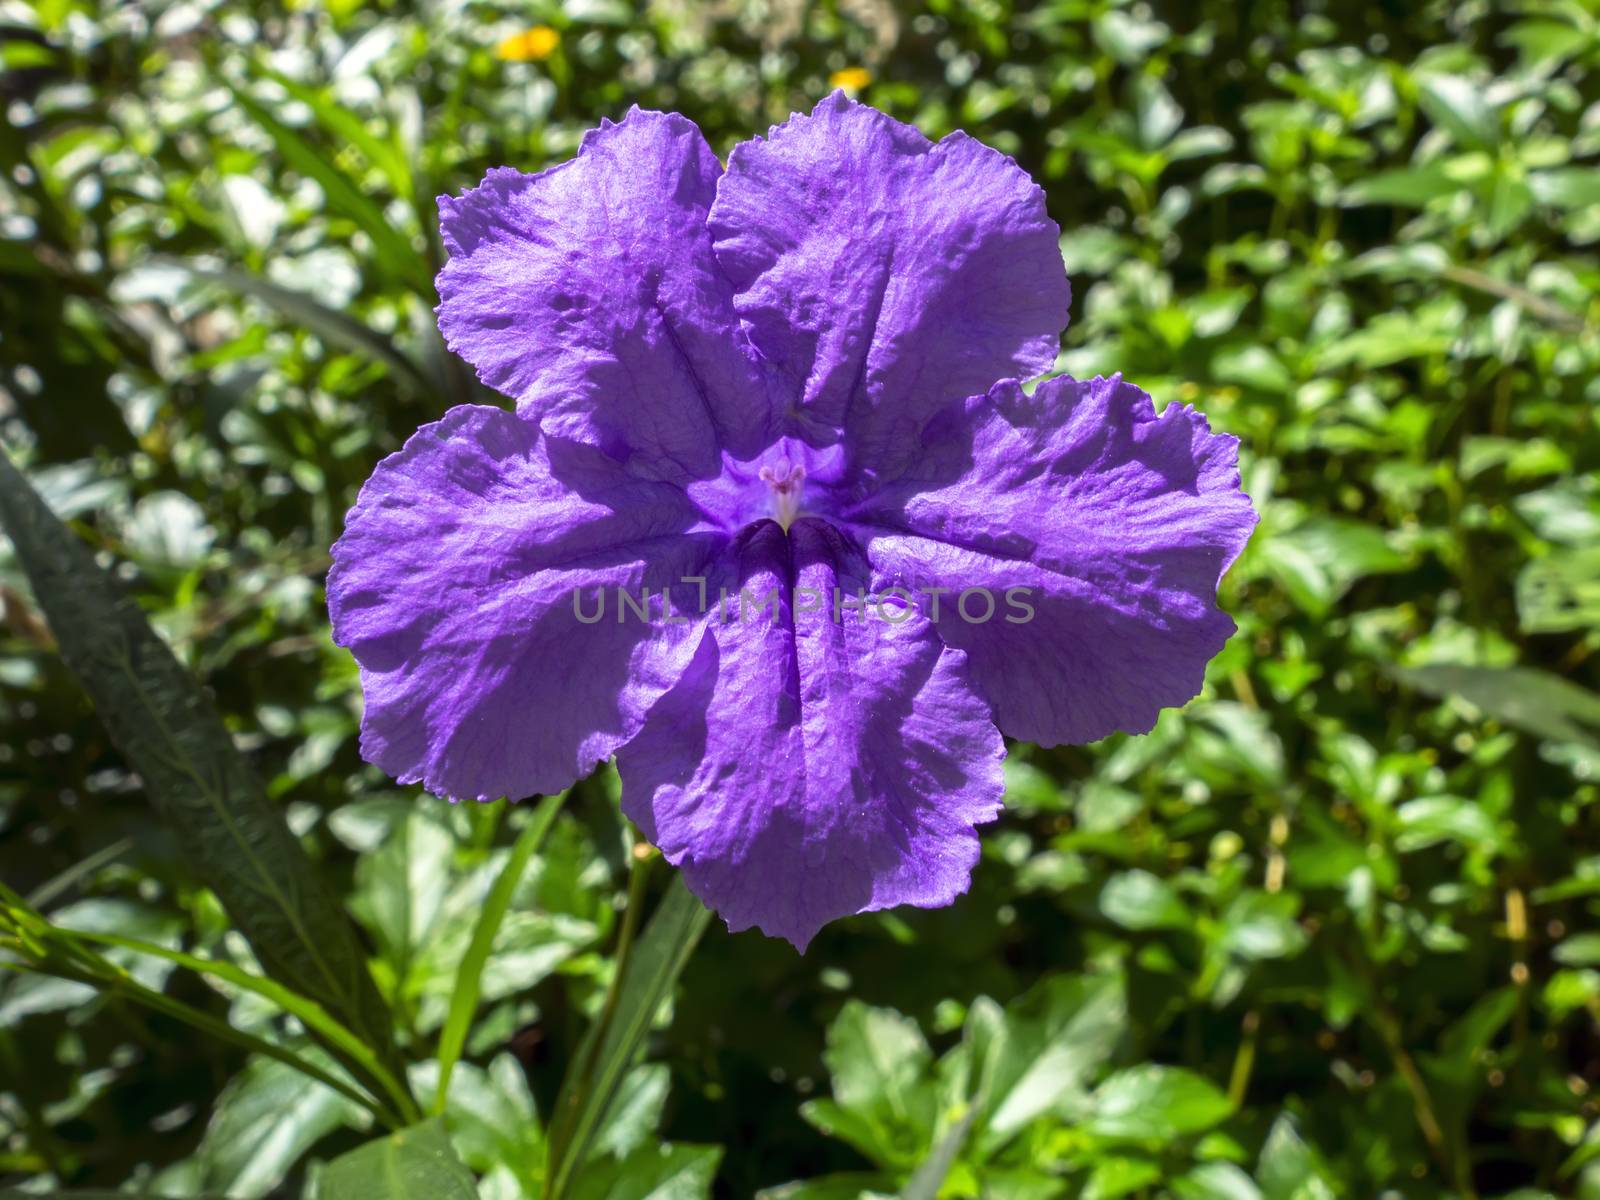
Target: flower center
[{"x": 785, "y": 480}]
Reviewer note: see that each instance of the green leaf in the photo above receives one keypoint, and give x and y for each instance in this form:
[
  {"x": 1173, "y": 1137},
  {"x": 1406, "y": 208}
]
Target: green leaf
[
  {"x": 1560, "y": 592},
  {"x": 1430, "y": 820},
  {"x": 235, "y": 839},
  {"x": 1579, "y": 950},
  {"x": 392, "y": 253},
  {"x": 1215, "y": 1181},
  {"x": 636, "y": 1112},
  {"x": 1570, "y": 188},
  {"x": 1406, "y": 187},
  {"x": 1532, "y": 700},
  {"x": 1261, "y": 925},
  {"x": 879, "y": 1061},
  {"x": 1048, "y": 1045},
  {"x": 1156, "y": 1103},
  {"x": 311, "y": 1014},
  {"x": 413, "y": 1164},
  {"x": 652, "y": 1172},
  {"x": 491, "y": 1116},
  {"x": 41, "y": 949},
  {"x": 1116, "y": 1175},
  {"x": 1320, "y": 560},
  {"x": 469, "y": 976},
  {"x": 832, "y": 1187},
  {"x": 345, "y": 125},
  {"x": 265, "y": 1119},
  {"x": 1459, "y": 106},
  {"x": 884, "y": 1101},
  {"x": 644, "y": 982},
  {"x": 1139, "y": 900},
  {"x": 1290, "y": 1169},
  {"x": 927, "y": 1181}
]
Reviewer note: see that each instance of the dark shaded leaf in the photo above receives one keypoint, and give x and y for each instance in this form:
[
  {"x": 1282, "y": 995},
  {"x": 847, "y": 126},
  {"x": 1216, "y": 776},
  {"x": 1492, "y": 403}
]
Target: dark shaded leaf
[{"x": 164, "y": 724}]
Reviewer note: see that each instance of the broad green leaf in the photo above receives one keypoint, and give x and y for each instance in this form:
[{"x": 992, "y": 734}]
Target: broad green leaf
[
  {"x": 1156, "y": 1103},
  {"x": 234, "y": 838},
  {"x": 490, "y": 1115},
  {"x": 885, "y": 1101},
  {"x": 1567, "y": 511},
  {"x": 1128, "y": 38},
  {"x": 1259, "y": 925},
  {"x": 654, "y": 1171},
  {"x": 1116, "y": 1175},
  {"x": 1532, "y": 700},
  {"x": 469, "y": 976},
  {"x": 1560, "y": 592},
  {"x": 1459, "y": 106},
  {"x": 1579, "y": 950},
  {"x": 1139, "y": 900},
  {"x": 636, "y": 1112},
  {"x": 1215, "y": 1181},
  {"x": 1289, "y": 1169},
  {"x": 1320, "y": 560},
  {"x": 644, "y": 982},
  {"x": 1567, "y": 187},
  {"x": 878, "y": 1060},
  {"x": 833, "y": 1187},
  {"x": 413, "y": 1164},
  {"x": 1410, "y": 187},
  {"x": 264, "y": 1121},
  {"x": 1430, "y": 820},
  {"x": 1048, "y": 1047},
  {"x": 423, "y": 909}
]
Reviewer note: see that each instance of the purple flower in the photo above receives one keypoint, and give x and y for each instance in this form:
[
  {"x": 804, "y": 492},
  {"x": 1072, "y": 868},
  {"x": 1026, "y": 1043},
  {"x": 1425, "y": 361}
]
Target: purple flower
[{"x": 777, "y": 383}]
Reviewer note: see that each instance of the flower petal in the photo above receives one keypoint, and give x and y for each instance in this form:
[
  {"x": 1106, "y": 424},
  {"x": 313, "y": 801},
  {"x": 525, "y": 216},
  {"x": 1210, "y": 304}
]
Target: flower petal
[
  {"x": 884, "y": 276},
  {"x": 1119, "y": 521},
  {"x": 806, "y": 768},
  {"x": 589, "y": 294},
  {"x": 453, "y": 586}
]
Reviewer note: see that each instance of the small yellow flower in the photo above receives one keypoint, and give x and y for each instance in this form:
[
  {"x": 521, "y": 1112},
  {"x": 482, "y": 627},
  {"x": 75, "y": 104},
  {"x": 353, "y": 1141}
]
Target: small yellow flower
[
  {"x": 531, "y": 45},
  {"x": 851, "y": 79}
]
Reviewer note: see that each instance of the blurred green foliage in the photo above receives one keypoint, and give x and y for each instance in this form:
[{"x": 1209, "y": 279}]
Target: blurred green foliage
[{"x": 1328, "y": 932}]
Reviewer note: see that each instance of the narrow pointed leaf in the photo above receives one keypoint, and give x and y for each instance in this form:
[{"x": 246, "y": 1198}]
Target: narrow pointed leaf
[
  {"x": 469, "y": 976},
  {"x": 308, "y": 1012},
  {"x": 329, "y": 324},
  {"x": 392, "y": 250},
  {"x": 166, "y": 727},
  {"x": 608, "y": 1051}
]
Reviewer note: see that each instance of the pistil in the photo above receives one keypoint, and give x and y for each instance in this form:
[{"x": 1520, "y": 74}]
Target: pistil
[{"x": 785, "y": 480}]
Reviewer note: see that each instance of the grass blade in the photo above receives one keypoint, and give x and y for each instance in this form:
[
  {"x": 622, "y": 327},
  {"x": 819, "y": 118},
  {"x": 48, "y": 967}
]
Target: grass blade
[
  {"x": 107, "y": 977},
  {"x": 644, "y": 980},
  {"x": 308, "y": 1012},
  {"x": 392, "y": 250},
  {"x": 926, "y": 1182},
  {"x": 469, "y": 975},
  {"x": 343, "y": 124},
  {"x": 200, "y": 785},
  {"x": 333, "y": 326}
]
